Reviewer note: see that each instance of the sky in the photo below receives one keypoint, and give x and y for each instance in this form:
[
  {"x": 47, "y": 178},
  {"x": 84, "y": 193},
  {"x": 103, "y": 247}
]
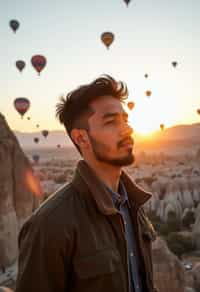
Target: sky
[{"x": 149, "y": 35}]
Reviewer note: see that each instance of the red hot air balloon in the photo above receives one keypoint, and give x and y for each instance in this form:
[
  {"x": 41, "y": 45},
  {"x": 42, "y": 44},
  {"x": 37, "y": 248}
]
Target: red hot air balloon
[
  {"x": 21, "y": 104},
  {"x": 36, "y": 139},
  {"x": 45, "y": 133},
  {"x": 14, "y": 24},
  {"x": 20, "y": 65},
  {"x": 130, "y": 105},
  {"x": 107, "y": 38},
  {"x": 38, "y": 62}
]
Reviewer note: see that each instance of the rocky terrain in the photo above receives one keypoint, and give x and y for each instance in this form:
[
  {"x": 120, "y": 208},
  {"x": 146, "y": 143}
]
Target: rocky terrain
[
  {"x": 175, "y": 184},
  {"x": 172, "y": 176},
  {"x": 19, "y": 191}
]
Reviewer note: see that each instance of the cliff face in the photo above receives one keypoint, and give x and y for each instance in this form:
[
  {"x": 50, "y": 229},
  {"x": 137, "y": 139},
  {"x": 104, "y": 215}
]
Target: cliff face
[
  {"x": 19, "y": 191},
  {"x": 196, "y": 228}
]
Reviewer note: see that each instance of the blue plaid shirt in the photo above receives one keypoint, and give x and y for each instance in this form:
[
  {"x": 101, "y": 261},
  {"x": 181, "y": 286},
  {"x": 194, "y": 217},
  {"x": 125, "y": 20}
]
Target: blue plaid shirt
[{"x": 133, "y": 259}]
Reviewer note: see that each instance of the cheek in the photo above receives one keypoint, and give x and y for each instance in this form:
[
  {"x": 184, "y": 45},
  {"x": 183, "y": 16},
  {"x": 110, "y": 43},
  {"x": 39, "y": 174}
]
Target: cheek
[
  {"x": 104, "y": 134},
  {"x": 106, "y": 142}
]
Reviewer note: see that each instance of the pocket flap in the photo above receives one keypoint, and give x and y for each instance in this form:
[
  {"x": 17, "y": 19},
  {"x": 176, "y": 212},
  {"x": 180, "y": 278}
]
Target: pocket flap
[{"x": 102, "y": 262}]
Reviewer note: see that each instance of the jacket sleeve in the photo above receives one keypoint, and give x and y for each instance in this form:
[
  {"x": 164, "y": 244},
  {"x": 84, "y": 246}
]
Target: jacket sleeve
[{"x": 44, "y": 259}]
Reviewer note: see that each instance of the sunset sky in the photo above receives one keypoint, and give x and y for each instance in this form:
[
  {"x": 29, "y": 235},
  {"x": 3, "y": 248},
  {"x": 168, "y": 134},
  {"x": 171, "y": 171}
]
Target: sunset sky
[{"x": 149, "y": 35}]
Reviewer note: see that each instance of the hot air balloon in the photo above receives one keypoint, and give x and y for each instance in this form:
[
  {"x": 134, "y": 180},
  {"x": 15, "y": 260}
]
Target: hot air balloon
[
  {"x": 36, "y": 158},
  {"x": 36, "y": 139},
  {"x": 107, "y": 38},
  {"x": 146, "y": 75},
  {"x": 20, "y": 65},
  {"x": 21, "y": 104},
  {"x": 130, "y": 105},
  {"x": 127, "y": 2},
  {"x": 14, "y": 24},
  {"x": 174, "y": 64},
  {"x": 28, "y": 118},
  {"x": 45, "y": 133},
  {"x": 198, "y": 111},
  {"x": 148, "y": 93},
  {"x": 37, "y": 126},
  {"x": 162, "y": 127},
  {"x": 38, "y": 62}
]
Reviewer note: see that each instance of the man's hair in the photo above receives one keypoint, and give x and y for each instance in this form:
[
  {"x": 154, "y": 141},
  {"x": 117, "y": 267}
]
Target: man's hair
[{"x": 74, "y": 110}]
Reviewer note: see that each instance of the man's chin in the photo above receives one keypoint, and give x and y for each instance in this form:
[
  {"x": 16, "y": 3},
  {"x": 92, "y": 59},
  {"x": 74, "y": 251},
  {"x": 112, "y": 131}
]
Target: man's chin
[{"x": 124, "y": 161}]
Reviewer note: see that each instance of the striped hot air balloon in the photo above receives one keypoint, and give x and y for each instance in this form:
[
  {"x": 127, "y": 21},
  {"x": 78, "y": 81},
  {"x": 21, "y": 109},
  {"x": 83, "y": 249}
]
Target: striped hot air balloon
[
  {"x": 21, "y": 104},
  {"x": 38, "y": 62}
]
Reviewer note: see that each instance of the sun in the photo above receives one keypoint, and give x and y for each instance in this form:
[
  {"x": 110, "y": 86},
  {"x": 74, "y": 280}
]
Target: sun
[
  {"x": 148, "y": 115},
  {"x": 143, "y": 129},
  {"x": 146, "y": 130}
]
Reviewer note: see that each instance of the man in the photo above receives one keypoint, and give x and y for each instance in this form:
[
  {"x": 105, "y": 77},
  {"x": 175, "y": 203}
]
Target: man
[{"x": 91, "y": 235}]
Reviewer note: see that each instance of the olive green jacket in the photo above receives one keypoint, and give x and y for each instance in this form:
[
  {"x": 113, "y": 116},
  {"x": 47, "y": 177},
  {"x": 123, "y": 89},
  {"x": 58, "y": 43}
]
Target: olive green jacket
[{"x": 75, "y": 241}]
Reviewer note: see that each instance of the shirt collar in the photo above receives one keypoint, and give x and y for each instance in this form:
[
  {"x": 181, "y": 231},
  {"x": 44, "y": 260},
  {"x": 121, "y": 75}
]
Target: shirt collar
[
  {"x": 86, "y": 181},
  {"x": 120, "y": 197}
]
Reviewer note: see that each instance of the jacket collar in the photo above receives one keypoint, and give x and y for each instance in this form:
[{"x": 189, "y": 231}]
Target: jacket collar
[{"x": 85, "y": 179}]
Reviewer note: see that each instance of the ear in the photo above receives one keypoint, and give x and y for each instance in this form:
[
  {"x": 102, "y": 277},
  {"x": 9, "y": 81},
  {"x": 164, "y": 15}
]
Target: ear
[{"x": 80, "y": 137}]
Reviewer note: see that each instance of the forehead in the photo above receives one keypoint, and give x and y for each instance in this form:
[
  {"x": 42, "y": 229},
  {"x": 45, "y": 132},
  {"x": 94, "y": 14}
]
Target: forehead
[{"x": 107, "y": 104}]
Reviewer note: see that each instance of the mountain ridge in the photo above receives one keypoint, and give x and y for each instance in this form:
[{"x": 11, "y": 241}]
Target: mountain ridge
[{"x": 188, "y": 132}]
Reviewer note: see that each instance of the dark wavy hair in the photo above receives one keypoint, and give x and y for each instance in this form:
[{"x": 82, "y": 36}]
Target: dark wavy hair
[{"x": 74, "y": 110}]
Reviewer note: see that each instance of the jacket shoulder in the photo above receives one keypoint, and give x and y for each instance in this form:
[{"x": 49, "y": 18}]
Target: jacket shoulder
[{"x": 54, "y": 214}]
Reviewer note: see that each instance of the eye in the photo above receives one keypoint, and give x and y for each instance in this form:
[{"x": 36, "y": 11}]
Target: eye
[{"x": 109, "y": 122}]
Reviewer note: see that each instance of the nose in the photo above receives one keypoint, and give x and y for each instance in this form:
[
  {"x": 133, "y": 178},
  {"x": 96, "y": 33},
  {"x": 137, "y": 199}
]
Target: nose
[{"x": 126, "y": 130}]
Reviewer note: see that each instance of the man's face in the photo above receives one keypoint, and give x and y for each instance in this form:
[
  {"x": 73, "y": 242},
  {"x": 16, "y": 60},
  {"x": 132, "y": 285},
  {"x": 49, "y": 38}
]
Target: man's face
[{"x": 109, "y": 133}]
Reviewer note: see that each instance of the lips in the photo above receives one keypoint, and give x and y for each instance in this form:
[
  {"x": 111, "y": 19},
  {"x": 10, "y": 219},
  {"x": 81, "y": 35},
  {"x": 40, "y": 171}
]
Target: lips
[{"x": 126, "y": 143}]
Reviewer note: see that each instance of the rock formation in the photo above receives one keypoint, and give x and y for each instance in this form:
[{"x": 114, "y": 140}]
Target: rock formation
[
  {"x": 196, "y": 228},
  {"x": 196, "y": 275},
  {"x": 168, "y": 271},
  {"x": 18, "y": 192},
  {"x": 5, "y": 289},
  {"x": 174, "y": 195}
]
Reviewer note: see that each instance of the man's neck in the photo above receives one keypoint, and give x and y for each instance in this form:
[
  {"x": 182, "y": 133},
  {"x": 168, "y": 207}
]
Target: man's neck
[{"x": 107, "y": 173}]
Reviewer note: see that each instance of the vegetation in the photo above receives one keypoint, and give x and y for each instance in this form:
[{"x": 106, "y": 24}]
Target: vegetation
[
  {"x": 178, "y": 242},
  {"x": 165, "y": 228},
  {"x": 188, "y": 219}
]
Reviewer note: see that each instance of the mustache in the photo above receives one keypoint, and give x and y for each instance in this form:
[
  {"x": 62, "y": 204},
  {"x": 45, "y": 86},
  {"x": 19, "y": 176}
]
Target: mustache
[{"x": 127, "y": 140}]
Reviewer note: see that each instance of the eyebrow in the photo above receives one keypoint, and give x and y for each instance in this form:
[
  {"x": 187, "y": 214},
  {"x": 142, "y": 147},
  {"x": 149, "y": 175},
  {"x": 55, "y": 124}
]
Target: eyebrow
[{"x": 113, "y": 115}]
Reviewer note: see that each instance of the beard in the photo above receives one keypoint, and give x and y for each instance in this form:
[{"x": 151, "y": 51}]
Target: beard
[{"x": 101, "y": 151}]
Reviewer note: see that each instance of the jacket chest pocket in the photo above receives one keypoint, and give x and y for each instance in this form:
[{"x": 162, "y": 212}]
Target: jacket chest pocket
[{"x": 97, "y": 264}]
